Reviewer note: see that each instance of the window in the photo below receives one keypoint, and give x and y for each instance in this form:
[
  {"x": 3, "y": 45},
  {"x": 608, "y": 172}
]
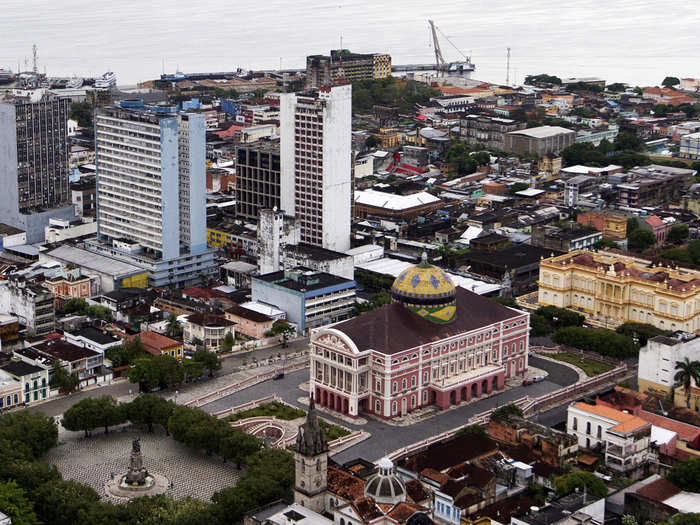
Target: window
[
  {"x": 413, "y": 401},
  {"x": 425, "y": 377},
  {"x": 378, "y": 407},
  {"x": 575, "y": 426},
  {"x": 318, "y": 465},
  {"x": 425, "y": 396},
  {"x": 395, "y": 387},
  {"x": 379, "y": 386},
  {"x": 393, "y": 407},
  {"x": 600, "y": 431},
  {"x": 588, "y": 428},
  {"x": 403, "y": 384},
  {"x": 413, "y": 381}
]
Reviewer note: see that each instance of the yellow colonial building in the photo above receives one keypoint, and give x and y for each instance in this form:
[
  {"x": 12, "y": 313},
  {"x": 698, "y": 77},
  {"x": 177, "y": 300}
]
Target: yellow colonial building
[{"x": 611, "y": 289}]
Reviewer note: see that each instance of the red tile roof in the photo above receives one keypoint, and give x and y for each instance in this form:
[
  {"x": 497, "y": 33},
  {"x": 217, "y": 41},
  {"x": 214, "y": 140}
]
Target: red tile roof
[
  {"x": 155, "y": 343},
  {"x": 659, "y": 490},
  {"x": 685, "y": 431},
  {"x": 345, "y": 485}
]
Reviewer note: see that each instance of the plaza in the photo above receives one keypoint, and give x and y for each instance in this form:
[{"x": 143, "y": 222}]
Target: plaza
[{"x": 93, "y": 460}]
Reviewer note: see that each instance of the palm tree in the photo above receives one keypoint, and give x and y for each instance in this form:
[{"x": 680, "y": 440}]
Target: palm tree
[
  {"x": 687, "y": 372},
  {"x": 173, "y": 328}
]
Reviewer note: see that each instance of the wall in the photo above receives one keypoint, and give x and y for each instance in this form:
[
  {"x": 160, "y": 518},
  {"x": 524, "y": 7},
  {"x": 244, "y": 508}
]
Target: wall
[
  {"x": 197, "y": 151},
  {"x": 170, "y": 185},
  {"x": 290, "y": 302}
]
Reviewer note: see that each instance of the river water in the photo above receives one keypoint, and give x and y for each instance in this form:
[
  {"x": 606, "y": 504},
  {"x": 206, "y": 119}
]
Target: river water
[{"x": 635, "y": 41}]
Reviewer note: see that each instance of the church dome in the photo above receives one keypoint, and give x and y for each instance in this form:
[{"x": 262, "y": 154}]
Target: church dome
[
  {"x": 385, "y": 486},
  {"x": 427, "y": 291}
]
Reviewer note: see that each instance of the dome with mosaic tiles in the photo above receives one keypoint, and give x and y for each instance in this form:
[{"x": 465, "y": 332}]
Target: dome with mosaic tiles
[{"x": 427, "y": 291}]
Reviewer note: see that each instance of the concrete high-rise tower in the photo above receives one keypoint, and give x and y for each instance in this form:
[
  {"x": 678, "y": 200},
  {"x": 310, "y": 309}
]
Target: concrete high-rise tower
[
  {"x": 151, "y": 190},
  {"x": 151, "y": 180},
  {"x": 34, "y": 162},
  {"x": 316, "y": 167}
]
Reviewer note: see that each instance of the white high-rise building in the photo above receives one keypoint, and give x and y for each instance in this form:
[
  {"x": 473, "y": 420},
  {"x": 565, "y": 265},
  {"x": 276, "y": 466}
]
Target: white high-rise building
[
  {"x": 151, "y": 180},
  {"x": 316, "y": 164},
  {"x": 151, "y": 190}
]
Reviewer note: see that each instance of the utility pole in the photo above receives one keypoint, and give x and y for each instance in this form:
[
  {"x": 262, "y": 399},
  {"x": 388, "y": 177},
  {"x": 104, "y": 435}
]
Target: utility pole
[{"x": 508, "y": 67}]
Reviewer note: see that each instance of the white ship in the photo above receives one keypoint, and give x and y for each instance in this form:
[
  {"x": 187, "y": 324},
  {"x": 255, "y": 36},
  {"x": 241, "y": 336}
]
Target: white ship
[{"x": 106, "y": 81}]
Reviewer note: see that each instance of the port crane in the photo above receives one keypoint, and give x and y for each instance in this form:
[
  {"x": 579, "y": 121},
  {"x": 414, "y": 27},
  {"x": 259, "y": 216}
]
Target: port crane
[{"x": 441, "y": 65}]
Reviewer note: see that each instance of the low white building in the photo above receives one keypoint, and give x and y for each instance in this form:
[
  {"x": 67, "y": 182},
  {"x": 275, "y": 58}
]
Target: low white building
[
  {"x": 625, "y": 438},
  {"x": 657, "y": 360},
  {"x": 690, "y": 146},
  {"x": 60, "y": 230}
]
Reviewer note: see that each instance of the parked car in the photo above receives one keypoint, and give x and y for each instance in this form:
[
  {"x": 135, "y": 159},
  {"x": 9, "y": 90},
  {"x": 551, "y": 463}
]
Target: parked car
[
  {"x": 527, "y": 382},
  {"x": 278, "y": 375},
  {"x": 538, "y": 379}
]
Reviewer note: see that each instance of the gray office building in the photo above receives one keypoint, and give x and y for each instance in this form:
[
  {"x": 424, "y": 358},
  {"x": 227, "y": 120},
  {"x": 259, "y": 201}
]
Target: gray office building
[
  {"x": 34, "y": 162},
  {"x": 257, "y": 177}
]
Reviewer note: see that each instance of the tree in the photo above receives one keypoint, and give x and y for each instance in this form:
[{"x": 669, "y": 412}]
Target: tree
[
  {"x": 669, "y": 82},
  {"x": 126, "y": 353},
  {"x": 372, "y": 141},
  {"x": 143, "y": 410},
  {"x": 605, "y": 243},
  {"x": 275, "y": 460},
  {"x": 660, "y": 110},
  {"x": 686, "y": 475},
  {"x": 505, "y": 412},
  {"x": 639, "y": 240},
  {"x": 182, "y": 418},
  {"x": 616, "y": 87},
  {"x": 458, "y": 156},
  {"x": 518, "y": 186},
  {"x": 173, "y": 328},
  {"x": 28, "y": 474},
  {"x": 678, "y": 233},
  {"x": 65, "y": 502},
  {"x": 81, "y": 112},
  {"x": 99, "y": 312},
  {"x": 627, "y": 140},
  {"x": 61, "y": 379},
  {"x": 689, "y": 518},
  {"x": 560, "y": 317},
  {"x": 540, "y": 326},
  {"x": 75, "y": 305},
  {"x": 582, "y": 153},
  {"x": 687, "y": 372},
  {"x": 33, "y": 429},
  {"x": 482, "y": 158},
  {"x": 542, "y": 79},
  {"x": 604, "y": 342},
  {"x": 156, "y": 371},
  {"x": 227, "y": 342},
  {"x": 632, "y": 224},
  {"x": 579, "y": 480},
  {"x": 15, "y": 504},
  {"x": 192, "y": 369},
  {"x": 471, "y": 429},
  {"x": 91, "y": 413},
  {"x": 209, "y": 360},
  {"x": 642, "y": 331},
  {"x": 238, "y": 445}
]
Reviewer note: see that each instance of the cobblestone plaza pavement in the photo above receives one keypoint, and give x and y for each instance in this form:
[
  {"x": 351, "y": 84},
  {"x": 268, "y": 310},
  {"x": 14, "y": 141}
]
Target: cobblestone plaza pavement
[{"x": 92, "y": 460}]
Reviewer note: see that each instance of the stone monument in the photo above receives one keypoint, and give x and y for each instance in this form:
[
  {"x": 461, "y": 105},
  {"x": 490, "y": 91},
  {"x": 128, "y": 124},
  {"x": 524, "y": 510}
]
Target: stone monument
[
  {"x": 137, "y": 475},
  {"x": 137, "y": 481}
]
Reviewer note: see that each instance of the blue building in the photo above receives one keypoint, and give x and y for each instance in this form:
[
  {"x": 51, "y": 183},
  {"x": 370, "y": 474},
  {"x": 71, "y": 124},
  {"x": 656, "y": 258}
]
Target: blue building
[{"x": 309, "y": 298}]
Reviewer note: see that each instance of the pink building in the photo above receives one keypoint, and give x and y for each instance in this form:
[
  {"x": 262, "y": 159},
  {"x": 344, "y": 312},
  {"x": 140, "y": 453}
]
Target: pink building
[{"x": 434, "y": 345}]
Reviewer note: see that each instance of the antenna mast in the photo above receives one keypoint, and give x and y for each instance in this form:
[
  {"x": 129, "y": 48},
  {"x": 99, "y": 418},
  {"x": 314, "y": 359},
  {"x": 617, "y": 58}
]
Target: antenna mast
[{"x": 35, "y": 68}]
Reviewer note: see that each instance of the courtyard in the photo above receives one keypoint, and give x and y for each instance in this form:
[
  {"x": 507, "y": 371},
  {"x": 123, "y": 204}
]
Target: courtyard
[{"x": 92, "y": 461}]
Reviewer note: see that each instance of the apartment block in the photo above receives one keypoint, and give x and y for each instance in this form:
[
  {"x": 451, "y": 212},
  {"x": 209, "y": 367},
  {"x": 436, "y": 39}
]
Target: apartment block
[
  {"x": 30, "y": 302},
  {"x": 489, "y": 131},
  {"x": 34, "y": 162},
  {"x": 151, "y": 187},
  {"x": 654, "y": 186},
  {"x": 690, "y": 146},
  {"x": 315, "y": 134},
  {"x": 323, "y": 70},
  {"x": 257, "y": 178}
]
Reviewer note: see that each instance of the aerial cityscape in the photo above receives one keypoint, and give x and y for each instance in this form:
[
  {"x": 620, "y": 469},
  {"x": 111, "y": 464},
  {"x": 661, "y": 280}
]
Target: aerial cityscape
[{"x": 368, "y": 285}]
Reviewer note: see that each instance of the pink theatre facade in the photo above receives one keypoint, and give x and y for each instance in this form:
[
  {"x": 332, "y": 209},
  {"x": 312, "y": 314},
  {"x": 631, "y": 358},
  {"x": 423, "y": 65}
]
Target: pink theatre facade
[{"x": 443, "y": 373}]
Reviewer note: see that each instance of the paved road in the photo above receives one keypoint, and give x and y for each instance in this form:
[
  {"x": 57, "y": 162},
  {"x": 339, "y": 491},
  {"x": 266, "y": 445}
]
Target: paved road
[
  {"x": 121, "y": 389},
  {"x": 386, "y": 438}
]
